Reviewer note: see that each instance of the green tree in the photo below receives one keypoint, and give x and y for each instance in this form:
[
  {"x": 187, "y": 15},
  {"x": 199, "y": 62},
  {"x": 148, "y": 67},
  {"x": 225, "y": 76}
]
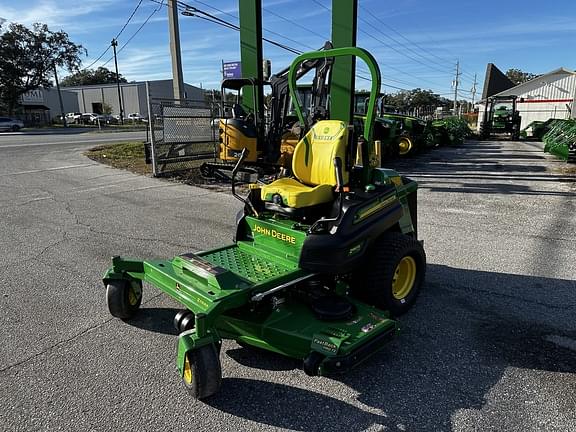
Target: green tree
[
  {"x": 92, "y": 76},
  {"x": 28, "y": 58},
  {"x": 407, "y": 100},
  {"x": 518, "y": 77},
  {"x": 106, "y": 109}
]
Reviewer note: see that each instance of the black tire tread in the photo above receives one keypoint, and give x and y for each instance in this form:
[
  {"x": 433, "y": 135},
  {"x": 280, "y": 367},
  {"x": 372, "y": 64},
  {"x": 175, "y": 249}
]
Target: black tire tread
[
  {"x": 117, "y": 299},
  {"x": 381, "y": 265},
  {"x": 205, "y": 363}
]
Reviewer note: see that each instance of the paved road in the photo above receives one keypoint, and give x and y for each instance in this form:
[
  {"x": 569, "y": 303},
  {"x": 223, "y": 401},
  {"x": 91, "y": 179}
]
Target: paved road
[
  {"x": 60, "y": 138},
  {"x": 490, "y": 345}
]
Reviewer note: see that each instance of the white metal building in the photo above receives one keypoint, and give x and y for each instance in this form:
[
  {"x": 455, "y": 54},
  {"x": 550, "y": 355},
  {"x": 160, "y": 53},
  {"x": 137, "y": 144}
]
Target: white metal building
[
  {"x": 92, "y": 98},
  {"x": 551, "y": 95}
]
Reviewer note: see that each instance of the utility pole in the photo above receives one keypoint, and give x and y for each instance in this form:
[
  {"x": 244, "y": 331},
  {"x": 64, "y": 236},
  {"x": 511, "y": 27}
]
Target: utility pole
[
  {"x": 60, "y": 97},
  {"x": 474, "y": 92},
  {"x": 114, "y": 44},
  {"x": 177, "y": 79},
  {"x": 455, "y": 83}
]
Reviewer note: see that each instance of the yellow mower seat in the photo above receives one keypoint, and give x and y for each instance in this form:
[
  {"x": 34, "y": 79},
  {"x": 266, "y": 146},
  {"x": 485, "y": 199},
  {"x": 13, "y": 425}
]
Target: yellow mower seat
[{"x": 313, "y": 167}]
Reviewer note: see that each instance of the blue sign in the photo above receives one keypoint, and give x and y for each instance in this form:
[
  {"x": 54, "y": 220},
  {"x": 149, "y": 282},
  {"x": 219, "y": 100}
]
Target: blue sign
[{"x": 231, "y": 70}]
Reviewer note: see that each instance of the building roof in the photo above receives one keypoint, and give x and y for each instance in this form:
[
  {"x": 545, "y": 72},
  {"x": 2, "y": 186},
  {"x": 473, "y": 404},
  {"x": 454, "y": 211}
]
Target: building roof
[
  {"x": 518, "y": 89},
  {"x": 495, "y": 81}
]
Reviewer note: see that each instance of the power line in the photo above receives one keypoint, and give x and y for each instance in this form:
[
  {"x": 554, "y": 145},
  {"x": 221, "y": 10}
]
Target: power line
[
  {"x": 211, "y": 18},
  {"x": 385, "y": 35},
  {"x": 443, "y": 71},
  {"x": 429, "y": 52},
  {"x": 119, "y": 33},
  {"x": 295, "y": 23},
  {"x": 99, "y": 57},
  {"x": 216, "y": 20},
  {"x": 263, "y": 28},
  {"x": 129, "y": 19},
  {"x": 403, "y": 72},
  {"x": 432, "y": 65},
  {"x": 137, "y": 31}
]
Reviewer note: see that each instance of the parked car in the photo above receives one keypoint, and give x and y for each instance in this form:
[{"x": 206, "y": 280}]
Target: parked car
[
  {"x": 93, "y": 118},
  {"x": 73, "y": 117},
  {"x": 109, "y": 119},
  {"x": 135, "y": 117},
  {"x": 7, "y": 123}
]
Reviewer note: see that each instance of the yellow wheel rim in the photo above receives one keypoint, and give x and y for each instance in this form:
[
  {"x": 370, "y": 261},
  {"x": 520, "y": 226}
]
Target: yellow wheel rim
[
  {"x": 404, "y": 278},
  {"x": 188, "y": 374},
  {"x": 133, "y": 295},
  {"x": 404, "y": 146}
]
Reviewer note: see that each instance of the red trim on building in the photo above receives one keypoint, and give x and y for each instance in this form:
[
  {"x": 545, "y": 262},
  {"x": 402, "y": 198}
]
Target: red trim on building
[{"x": 544, "y": 100}]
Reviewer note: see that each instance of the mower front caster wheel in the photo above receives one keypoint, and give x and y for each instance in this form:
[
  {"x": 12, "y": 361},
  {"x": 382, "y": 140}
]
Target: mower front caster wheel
[
  {"x": 184, "y": 320},
  {"x": 123, "y": 298},
  {"x": 311, "y": 364},
  {"x": 202, "y": 373}
]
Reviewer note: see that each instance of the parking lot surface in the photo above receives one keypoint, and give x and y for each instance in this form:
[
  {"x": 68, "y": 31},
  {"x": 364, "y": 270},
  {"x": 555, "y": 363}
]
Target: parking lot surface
[{"x": 489, "y": 346}]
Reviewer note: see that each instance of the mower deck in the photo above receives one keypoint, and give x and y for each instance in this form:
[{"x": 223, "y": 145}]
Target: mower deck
[{"x": 221, "y": 288}]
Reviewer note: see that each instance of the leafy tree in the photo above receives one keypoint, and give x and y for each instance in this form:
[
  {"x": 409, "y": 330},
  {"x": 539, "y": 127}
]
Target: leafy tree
[
  {"x": 92, "y": 76},
  {"x": 518, "y": 77},
  {"x": 407, "y": 100},
  {"x": 28, "y": 58},
  {"x": 106, "y": 109}
]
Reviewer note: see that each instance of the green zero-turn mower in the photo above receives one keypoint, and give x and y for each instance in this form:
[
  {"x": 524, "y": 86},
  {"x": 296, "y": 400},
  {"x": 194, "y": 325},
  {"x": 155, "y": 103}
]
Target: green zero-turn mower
[{"x": 320, "y": 265}]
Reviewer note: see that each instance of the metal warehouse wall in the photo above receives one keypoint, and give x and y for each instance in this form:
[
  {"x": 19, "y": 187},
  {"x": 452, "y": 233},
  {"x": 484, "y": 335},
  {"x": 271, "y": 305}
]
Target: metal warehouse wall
[
  {"x": 549, "y": 96},
  {"x": 49, "y": 98},
  {"x": 108, "y": 95},
  {"x": 134, "y": 98}
]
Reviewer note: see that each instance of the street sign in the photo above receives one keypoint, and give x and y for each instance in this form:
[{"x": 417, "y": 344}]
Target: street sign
[{"x": 231, "y": 70}]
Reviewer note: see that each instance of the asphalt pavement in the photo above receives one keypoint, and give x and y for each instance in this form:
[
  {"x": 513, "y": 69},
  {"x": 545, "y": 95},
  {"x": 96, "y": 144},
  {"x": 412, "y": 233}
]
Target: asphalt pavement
[
  {"x": 489, "y": 346},
  {"x": 61, "y": 137}
]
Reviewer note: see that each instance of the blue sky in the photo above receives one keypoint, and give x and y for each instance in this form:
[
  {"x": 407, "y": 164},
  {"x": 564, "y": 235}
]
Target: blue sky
[{"x": 416, "y": 42}]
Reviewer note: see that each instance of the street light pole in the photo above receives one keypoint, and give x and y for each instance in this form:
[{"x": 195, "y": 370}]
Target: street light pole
[{"x": 114, "y": 43}]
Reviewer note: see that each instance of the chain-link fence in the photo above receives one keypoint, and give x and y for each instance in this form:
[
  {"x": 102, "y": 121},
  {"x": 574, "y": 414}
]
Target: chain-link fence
[{"x": 182, "y": 132}]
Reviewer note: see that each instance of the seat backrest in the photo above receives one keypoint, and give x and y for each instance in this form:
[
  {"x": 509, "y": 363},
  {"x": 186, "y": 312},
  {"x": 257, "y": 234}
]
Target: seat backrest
[{"x": 313, "y": 159}]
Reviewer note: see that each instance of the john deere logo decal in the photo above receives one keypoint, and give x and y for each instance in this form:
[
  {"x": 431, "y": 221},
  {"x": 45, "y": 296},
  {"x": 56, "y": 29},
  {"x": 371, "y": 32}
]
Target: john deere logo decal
[
  {"x": 275, "y": 234},
  {"x": 326, "y": 130}
]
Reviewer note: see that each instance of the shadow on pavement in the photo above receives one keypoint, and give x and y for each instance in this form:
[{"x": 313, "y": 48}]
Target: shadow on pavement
[
  {"x": 253, "y": 357},
  {"x": 466, "y": 329},
  {"x": 485, "y": 168},
  {"x": 267, "y": 403},
  {"x": 158, "y": 320}
]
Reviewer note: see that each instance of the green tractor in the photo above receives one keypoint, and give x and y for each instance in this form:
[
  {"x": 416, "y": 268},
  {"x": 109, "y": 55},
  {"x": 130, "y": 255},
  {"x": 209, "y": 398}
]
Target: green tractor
[
  {"x": 321, "y": 264},
  {"x": 398, "y": 134},
  {"x": 414, "y": 134},
  {"x": 501, "y": 116},
  {"x": 450, "y": 131}
]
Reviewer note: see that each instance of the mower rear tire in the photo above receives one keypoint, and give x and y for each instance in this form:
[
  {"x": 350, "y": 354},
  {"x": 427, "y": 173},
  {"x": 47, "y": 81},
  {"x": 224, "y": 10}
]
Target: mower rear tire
[
  {"x": 202, "y": 371},
  {"x": 393, "y": 274},
  {"x": 123, "y": 298}
]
